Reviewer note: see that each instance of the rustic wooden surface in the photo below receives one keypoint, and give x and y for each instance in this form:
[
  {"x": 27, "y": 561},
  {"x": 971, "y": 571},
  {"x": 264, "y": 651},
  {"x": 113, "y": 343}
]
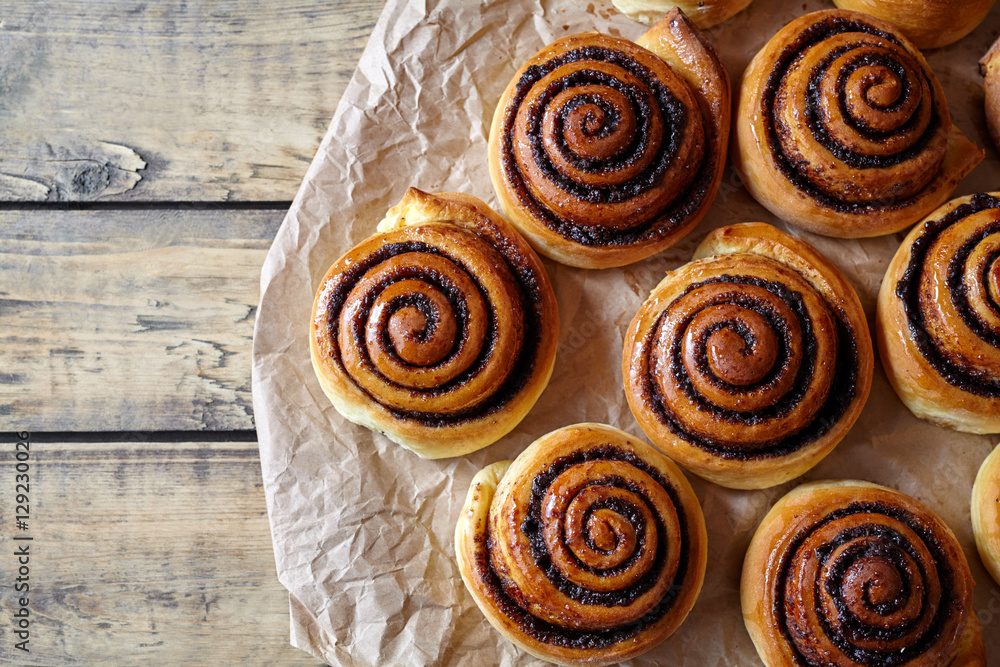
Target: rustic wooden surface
[
  {"x": 223, "y": 100},
  {"x": 149, "y": 553},
  {"x": 129, "y": 320},
  {"x": 183, "y": 129}
]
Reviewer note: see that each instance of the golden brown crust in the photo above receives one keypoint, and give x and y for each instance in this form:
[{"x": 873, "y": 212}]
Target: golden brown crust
[
  {"x": 440, "y": 330},
  {"x": 986, "y": 513},
  {"x": 559, "y": 150},
  {"x": 937, "y": 322},
  {"x": 929, "y": 24},
  {"x": 852, "y": 573},
  {"x": 891, "y": 159},
  {"x": 586, "y": 509},
  {"x": 989, "y": 67},
  {"x": 704, "y": 13},
  {"x": 749, "y": 364}
]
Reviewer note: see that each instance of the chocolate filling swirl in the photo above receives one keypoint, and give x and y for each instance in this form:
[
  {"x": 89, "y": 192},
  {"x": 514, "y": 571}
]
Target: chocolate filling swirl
[
  {"x": 605, "y": 145},
  {"x": 857, "y": 120},
  {"x": 748, "y": 368},
  {"x": 958, "y": 258},
  {"x": 871, "y": 582},
  {"x": 438, "y": 328},
  {"x": 604, "y": 528}
]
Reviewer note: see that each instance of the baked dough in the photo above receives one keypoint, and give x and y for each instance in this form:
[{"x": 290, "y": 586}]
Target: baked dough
[
  {"x": 704, "y": 13},
  {"x": 843, "y": 129},
  {"x": 989, "y": 67},
  {"x": 589, "y": 548},
  {"x": 852, "y": 573},
  {"x": 927, "y": 23},
  {"x": 603, "y": 151},
  {"x": 749, "y": 364},
  {"x": 440, "y": 330},
  {"x": 986, "y": 513},
  {"x": 938, "y": 319}
]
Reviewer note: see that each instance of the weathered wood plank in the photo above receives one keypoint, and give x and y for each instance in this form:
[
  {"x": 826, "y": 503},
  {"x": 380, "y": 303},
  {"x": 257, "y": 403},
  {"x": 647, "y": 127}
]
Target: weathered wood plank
[
  {"x": 129, "y": 319},
  {"x": 146, "y": 553},
  {"x": 183, "y": 101}
]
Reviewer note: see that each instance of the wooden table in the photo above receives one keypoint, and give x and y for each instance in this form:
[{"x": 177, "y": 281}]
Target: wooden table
[{"x": 148, "y": 152}]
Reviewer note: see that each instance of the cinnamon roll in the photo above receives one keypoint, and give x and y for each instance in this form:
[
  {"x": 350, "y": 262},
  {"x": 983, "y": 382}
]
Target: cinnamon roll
[
  {"x": 851, "y": 573},
  {"x": 989, "y": 67},
  {"x": 589, "y": 548},
  {"x": 440, "y": 330},
  {"x": 603, "y": 152},
  {"x": 704, "y": 13},
  {"x": 927, "y": 23},
  {"x": 843, "y": 129},
  {"x": 986, "y": 513},
  {"x": 748, "y": 365},
  {"x": 938, "y": 317}
]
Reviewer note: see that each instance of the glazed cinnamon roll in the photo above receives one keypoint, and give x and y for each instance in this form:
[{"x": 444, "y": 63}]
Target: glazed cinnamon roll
[
  {"x": 843, "y": 129},
  {"x": 748, "y": 365},
  {"x": 986, "y": 513},
  {"x": 440, "y": 330},
  {"x": 851, "y": 573},
  {"x": 927, "y": 23},
  {"x": 989, "y": 67},
  {"x": 603, "y": 152},
  {"x": 589, "y": 548},
  {"x": 704, "y": 13},
  {"x": 938, "y": 318}
]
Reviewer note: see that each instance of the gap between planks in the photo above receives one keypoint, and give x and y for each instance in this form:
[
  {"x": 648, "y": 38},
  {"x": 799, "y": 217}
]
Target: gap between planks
[
  {"x": 138, "y": 319},
  {"x": 150, "y": 553}
]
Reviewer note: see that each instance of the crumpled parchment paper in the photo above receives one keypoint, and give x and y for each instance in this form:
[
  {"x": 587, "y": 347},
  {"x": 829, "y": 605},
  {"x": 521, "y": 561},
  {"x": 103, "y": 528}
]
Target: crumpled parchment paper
[{"x": 363, "y": 529}]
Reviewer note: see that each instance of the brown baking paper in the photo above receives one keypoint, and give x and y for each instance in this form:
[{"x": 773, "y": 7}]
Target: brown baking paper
[{"x": 363, "y": 529}]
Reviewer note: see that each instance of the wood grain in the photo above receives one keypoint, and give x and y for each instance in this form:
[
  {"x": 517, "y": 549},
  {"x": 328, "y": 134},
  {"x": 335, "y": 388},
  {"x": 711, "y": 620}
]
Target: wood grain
[
  {"x": 147, "y": 553},
  {"x": 126, "y": 320},
  {"x": 221, "y": 100}
]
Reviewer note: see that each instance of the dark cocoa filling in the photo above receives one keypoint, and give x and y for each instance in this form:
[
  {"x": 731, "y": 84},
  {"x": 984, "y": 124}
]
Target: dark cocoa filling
[
  {"x": 895, "y": 545},
  {"x": 892, "y": 547},
  {"x": 984, "y": 279},
  {"x": 908, "y": 290},
  {"x": 581, "y": 639},
  {"x": 813, "y": 35},
  {"x": 865, "y": 60},
  {"x": 607, "y": 126},
  {"x": 532, "y": 528},
  {"x": 675, "y": 121},
  {"x": 842, "y": 391},
  {"x": 424, "y": 305},
  {"x": 521, "y": 369},
  {"x": 845, "y": 153},
  {"x": 431, "y": 315},
  {"x": 956, "y": 284},
  {"x": 642, "y": 111},
  {"x": 777, "y": 324},
  {"x": 635, "y": 519}
]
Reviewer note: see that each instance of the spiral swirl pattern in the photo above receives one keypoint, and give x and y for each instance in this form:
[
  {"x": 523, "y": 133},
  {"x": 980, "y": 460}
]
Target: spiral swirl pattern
[
  {"x": 733, "y": 361},
  {"x": 943, "y": 291},
  {"x": 869, "y": 104},
  {"x": 959, "y": 256},
  {"x": 594, "y": 130},
  {"x": 418, "y": 328},
  {"x": 741, "y": 360},
  {"x": 600, "y": 144},
  {"x": 841, "y": 108},
  {"x": 435, "y": 324},
  {"x": 863, "y": 576},
  {"x": 592, "y": 543}
]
